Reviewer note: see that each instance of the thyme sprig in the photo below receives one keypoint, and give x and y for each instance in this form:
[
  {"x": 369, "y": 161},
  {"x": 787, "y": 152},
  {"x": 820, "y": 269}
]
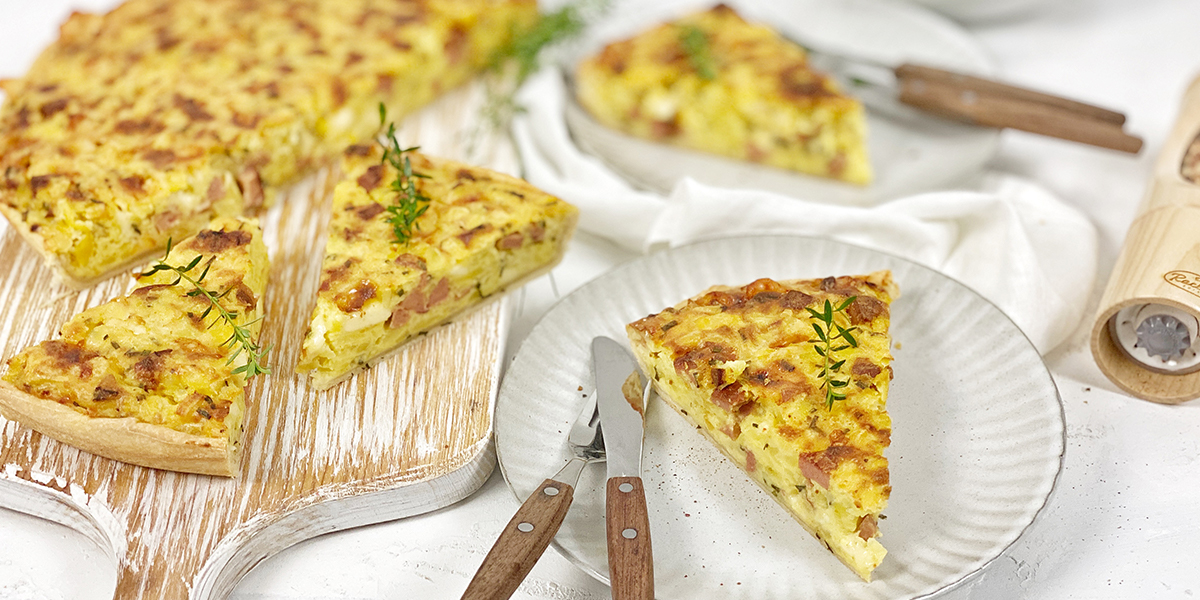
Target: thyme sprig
[
  {"x": 409, "y": 203},
  {"x": 240, "y": 340},
  {"x": 699, "y": 52},
  {"x": 830, "y": 345}
]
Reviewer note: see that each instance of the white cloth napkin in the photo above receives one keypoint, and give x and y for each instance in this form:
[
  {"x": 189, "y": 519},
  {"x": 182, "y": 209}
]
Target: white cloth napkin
[{"x": 1008, "y": 239}]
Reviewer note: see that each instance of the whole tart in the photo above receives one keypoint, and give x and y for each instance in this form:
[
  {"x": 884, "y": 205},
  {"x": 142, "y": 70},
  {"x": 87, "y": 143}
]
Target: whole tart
[{"x": 142, "y": 124}]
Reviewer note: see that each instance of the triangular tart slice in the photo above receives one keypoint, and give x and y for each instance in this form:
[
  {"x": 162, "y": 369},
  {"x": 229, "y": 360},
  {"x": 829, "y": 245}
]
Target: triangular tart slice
[
  {"x": 157, "y": 377},
  {"x": 713, "y": 82},
  {"x": 748, "y": 367},
  {"x": 481, "y": 232}
]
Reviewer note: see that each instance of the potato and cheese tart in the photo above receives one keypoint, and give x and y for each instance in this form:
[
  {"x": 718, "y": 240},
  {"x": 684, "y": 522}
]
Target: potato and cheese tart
[
  {"x": 713, "y": 82},
  {"x": 141, "y": 124},
  {"x": 482, "y": 232},
  {"x": 154, "y": 378},
  {"x": 747, "y": 366}
]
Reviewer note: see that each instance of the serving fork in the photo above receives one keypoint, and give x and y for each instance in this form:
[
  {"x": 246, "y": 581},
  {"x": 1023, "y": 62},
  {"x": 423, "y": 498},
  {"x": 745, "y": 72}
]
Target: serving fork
[{"x": 526, "y": 536}]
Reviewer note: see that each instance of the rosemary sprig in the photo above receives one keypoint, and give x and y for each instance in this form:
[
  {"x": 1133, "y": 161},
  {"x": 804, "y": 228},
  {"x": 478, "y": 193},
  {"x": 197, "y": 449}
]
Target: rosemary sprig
[
  {"x": 240, "y": 340},
  {"x": 524, "y": 50},
  {"x": 511, "y": 64},
  {"x": 844, "y": 339},
  {"x": 695, "y": 45},
  {"x": 409, "y": 203}
]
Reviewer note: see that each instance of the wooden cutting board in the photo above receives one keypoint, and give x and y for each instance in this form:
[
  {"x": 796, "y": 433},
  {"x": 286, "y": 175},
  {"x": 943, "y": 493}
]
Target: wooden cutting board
[{"x": 408, "y": 436}]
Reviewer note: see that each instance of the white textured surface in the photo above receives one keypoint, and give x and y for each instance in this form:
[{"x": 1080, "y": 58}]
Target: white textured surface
[
  {"x": 977, "y": 433},
  {"x": 1123, "y": 522}
]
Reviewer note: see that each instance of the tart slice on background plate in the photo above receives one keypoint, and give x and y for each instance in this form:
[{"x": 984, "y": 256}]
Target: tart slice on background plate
[
  {"x": 157, "y": 377},
  {"x": 712, "y": 81},
  {"x": 399, "y": 262},
  {"x": 789, "y": 379}
]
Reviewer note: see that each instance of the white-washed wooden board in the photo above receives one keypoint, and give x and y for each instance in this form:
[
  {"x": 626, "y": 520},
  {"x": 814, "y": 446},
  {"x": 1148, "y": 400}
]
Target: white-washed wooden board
[{"x": 408, "y": 436}]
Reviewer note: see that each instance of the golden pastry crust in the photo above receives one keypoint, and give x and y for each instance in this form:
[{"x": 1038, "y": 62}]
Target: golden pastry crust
[
  {"x": 483, "y": 232},
  {"x": 148, "y": 378},
  {"x": 125, "y": 439},
  {"x": 743, "y": 365},
  {"x": 144, "y": 123},
  {"x": 755, "y": 99}
]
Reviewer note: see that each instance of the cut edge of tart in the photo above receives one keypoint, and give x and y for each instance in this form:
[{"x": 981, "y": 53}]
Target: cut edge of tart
[{"x": 741, "y": 365}]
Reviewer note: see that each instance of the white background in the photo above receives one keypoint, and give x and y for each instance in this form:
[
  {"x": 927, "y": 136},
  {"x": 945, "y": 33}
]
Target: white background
[{"x": 1124, "y": 520}]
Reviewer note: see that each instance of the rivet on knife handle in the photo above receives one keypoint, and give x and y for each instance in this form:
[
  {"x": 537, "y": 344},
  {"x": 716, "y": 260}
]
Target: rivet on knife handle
[
  {"x": 630, "y": 559},
  {"x": 521, "y": 543}
]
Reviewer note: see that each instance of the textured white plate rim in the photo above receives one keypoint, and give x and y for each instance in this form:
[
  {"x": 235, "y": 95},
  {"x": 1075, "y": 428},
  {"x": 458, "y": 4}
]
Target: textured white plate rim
[
  {"x": 956, "y": 49},
  {"x": 619, "y": 271}
]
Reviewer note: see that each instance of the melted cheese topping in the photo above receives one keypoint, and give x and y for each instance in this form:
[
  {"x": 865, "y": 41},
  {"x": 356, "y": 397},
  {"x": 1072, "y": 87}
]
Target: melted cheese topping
[
  {"x": 141, "y": 124},
  {"x": 743, "y": 365},
  {"x": 483, "y": 231},
  {"x": 764, "y": 104},
  {"x": 153, "y": 355}
]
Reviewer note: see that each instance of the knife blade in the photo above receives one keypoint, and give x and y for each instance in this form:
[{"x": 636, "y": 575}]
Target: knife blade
[{"x": 627, "y": 522}]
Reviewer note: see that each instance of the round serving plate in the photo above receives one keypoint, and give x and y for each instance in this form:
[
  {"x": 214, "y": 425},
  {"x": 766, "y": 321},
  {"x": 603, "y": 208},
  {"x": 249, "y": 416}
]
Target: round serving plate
[{"x": 977, "y": 438}]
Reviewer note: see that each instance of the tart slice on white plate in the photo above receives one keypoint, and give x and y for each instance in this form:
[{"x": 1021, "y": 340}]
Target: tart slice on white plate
[{"x": 789, "y": 379}]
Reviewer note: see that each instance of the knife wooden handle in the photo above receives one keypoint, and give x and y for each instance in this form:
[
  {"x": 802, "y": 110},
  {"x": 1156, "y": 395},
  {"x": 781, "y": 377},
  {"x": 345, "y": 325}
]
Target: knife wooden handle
[
  {"x": 992, "y": 104},
  {"x": 630, "y": 560},
  {"x": 521, "y": 543},
  {"x": 995, "y": 88}
]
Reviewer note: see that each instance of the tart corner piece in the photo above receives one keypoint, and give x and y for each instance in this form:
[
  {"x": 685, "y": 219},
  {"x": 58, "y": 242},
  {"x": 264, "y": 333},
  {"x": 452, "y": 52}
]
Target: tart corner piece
[
  {"x": 713, "y": 82},
  {"x": 482, "y": 232},
  {"x": 152, "y": 378},
  {"x": 746, "y": 366}
]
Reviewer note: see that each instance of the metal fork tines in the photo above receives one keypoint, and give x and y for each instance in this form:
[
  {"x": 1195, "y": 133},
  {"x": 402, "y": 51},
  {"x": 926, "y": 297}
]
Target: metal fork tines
[{"x": 586, "y": 441}]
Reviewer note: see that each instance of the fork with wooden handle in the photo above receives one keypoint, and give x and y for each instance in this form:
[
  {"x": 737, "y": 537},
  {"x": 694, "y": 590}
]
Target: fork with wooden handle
[{"x": 527, "y": 535}]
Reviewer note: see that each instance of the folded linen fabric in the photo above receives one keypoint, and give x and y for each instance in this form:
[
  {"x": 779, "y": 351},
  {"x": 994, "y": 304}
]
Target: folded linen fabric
[{"x": 1007, "y": 238}]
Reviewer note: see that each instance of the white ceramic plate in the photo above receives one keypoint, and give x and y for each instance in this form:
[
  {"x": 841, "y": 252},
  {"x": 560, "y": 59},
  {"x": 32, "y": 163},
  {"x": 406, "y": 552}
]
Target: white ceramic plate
[
  {"x": 977, "y": 438},
  {"x": 910, "y": 152}
]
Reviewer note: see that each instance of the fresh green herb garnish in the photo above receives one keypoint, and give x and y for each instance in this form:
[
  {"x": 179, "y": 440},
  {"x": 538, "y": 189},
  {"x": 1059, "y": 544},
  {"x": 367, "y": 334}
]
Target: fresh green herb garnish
[
  {"x": 523, "y": 50},
  {"x": 511, "y": 64},
  {"x": 240, "y": 340},
  {"x": 695, "y": 44},
  {"x": 830, "y": 345},
  {"x": 409, "y": 203}
]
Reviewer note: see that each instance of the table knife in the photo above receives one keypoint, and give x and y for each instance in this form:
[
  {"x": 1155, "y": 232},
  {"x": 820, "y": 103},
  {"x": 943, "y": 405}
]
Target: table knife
[
  {"x": 975, "y": 100},
  {"x": 627, "y": 523}
]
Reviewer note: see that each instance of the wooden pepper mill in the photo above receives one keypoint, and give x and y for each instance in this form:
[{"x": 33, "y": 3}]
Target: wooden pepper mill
[{"x": 1146, "y": 336}]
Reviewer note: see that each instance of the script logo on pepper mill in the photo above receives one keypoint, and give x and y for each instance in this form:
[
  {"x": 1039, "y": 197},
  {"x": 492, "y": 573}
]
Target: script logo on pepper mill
[{"x": 1184, "y": 280}]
